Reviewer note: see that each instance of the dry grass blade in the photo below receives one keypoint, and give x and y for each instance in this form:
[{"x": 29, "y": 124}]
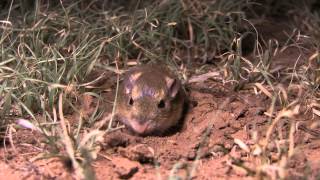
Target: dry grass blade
[
  {"x": 242, "y": 145},
  {"x": 315, "y": 111},
  {"x": 309, "y": 131},
  {"x": 288, "y": 113},
  {"x": 81, "y": 173},
  {"x": 263, "y": 89},
  {"x": 291, "y": 138},
  {"x": 203, "y": 77},
  {"x": 205, "y": 136}
]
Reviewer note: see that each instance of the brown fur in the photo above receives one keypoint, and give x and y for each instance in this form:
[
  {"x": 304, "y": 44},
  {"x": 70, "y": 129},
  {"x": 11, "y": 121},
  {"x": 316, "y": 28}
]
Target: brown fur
[{"x": 156, "y": 103}]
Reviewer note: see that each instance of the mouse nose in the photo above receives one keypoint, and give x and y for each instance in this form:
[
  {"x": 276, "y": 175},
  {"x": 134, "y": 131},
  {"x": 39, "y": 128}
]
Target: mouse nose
[{"x": 139, "y": 127}]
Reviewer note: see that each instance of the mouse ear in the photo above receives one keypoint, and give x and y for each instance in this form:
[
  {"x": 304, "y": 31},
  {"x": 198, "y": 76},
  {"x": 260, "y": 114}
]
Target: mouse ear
[
  {"x": 130, "y": 80},
  {"x": 173, "y": 86}
]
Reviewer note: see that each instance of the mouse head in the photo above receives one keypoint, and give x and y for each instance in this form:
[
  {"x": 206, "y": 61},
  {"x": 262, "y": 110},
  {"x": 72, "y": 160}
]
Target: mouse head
[{"x": 148, "y": 101}]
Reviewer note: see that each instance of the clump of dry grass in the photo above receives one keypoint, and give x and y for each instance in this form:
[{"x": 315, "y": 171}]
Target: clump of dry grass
[{"x": 272, "y": 150}]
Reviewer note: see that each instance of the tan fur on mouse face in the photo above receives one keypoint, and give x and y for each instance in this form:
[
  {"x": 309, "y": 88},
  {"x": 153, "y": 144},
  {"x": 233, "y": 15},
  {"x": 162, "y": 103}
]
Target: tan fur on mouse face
[{"x": 150, "y": 100}]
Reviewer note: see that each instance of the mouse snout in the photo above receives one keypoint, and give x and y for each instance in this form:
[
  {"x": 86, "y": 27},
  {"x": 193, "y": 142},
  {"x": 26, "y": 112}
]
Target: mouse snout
[{"x": 139, "y": 127}]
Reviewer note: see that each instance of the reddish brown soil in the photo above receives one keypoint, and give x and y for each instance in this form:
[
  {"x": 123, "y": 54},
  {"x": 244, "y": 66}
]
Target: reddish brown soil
[{"x": 205, "y": 142}]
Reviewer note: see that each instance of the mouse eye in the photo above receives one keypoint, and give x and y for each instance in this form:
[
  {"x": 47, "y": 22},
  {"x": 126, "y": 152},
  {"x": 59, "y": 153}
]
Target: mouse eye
[
  {"x": 130, "y": 101},
  {"x": 161, "y": 104}
]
